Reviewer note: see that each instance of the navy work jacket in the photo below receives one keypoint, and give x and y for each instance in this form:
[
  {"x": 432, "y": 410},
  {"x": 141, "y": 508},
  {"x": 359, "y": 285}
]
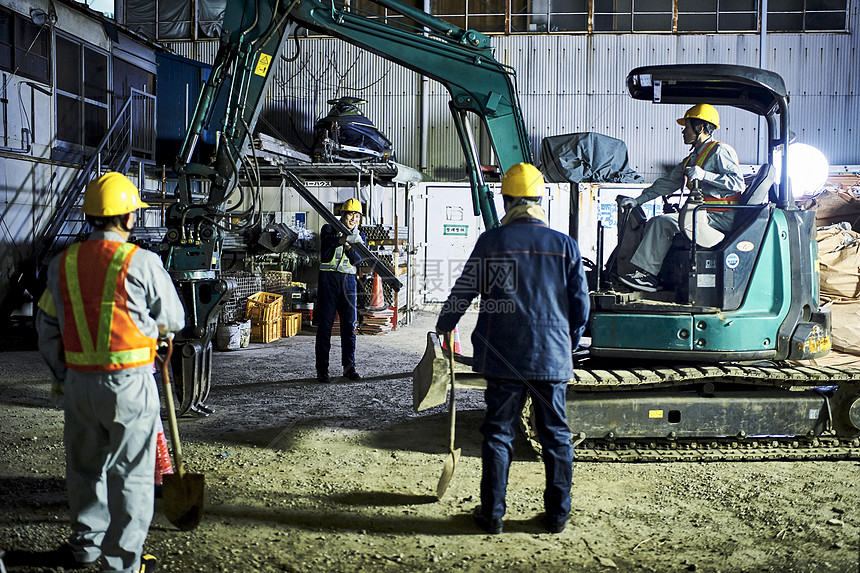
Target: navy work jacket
[{"x": 534, "y": 301}]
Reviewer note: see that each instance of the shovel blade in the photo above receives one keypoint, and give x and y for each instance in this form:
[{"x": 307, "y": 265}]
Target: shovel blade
[
  {"x": 182, "y": 499},
  {"x": 447, "y": 473},
  {"x": 431, "y": 378}
]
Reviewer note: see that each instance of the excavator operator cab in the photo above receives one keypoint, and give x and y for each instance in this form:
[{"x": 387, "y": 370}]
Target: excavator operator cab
[
  {"x": 748, "y": 294},
  {"x": 691, "y": 269}
]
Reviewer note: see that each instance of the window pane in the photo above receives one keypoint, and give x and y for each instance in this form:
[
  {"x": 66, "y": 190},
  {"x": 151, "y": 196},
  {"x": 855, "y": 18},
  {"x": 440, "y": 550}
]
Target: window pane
[
  {"x": 5, "y": 40},
  {"x": 520, "y": 23},
  {"x": 613, "y": 5},
  {"x": 785, "y": 22},
  {"x": 487, "y": 23},
  {"x": 609, "y": 23},
  {"x": 32, "y": 49},
  {"x": 826, "y": 4},
  {"x": 653, "y": 6},
  {"x": 487, "y": 6},
  {"x": 364, "y": 6},
  {"x": 450, "y": 7},
  {"x": 32, "y": 37},
  {"x": 68, "y": 119},
  {"x": 825, "y": 20},
  {"x": 569, "y": 22},
  {"x": 95, "y": 76},
  {"x": 737, "y": 22},
  {"x": 520, "y": 6},
  {"x": 785, "y": 6},
  {"x": 369, "y": 9},
  {"x": 697, "y": 5},
  {"x": 697, "y": 22},
  {"x": 69, "y": 69},
  {"x": 738, "y": 5},
  {"x": 652, "y": 23},
  {"x": 95, "y": 124},
  {"x": 568, "y": 5}
]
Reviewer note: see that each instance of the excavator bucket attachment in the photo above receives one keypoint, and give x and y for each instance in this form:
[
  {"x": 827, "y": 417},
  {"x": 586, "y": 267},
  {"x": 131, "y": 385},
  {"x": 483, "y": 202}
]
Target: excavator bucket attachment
[{"x": 432, "y": 376}]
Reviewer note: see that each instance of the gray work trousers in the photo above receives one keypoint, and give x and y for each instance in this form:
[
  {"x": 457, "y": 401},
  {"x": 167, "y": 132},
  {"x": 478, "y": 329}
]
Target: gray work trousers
[
  {"x": 656, "y": 241},
  {"x": 110, "y": 433},
  {"x": 657, "y": 238}
]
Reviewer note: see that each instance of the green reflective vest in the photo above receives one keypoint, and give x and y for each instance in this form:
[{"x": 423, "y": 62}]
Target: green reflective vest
[{"x": 339, "y": 263}]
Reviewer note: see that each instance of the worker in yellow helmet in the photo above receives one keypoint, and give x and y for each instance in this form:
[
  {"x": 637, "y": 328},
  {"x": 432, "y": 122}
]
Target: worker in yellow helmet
[
  {"x": 534, "y": 307},
  {"x": 105, "y": 305},
  {"x": 714, "y": 165},
  {"x": 337, "y": 291}
]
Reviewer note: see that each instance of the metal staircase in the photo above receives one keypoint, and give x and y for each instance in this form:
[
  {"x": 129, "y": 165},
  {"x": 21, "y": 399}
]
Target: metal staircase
[{"x": 130, "y": 137}]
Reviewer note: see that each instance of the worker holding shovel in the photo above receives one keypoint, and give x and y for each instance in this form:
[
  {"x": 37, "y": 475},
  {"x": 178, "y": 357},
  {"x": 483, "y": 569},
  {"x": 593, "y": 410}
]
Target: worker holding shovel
[
  {"x": 106, "y": 304},
  {"x": 534, "y": 307}
]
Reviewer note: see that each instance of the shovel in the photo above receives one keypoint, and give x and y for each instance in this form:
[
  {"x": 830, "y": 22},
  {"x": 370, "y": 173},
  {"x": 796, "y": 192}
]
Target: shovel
[
  {"x": 454, "y": 455},
  {"x": 182, "y": 493}
]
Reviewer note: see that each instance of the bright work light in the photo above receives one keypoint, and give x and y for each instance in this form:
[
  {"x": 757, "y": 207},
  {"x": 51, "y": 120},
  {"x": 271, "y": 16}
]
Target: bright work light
[{"x": 807, "y": 168}]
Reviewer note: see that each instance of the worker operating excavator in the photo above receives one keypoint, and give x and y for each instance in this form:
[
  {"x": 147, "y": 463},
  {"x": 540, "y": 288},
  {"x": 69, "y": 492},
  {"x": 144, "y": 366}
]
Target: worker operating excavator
[{"x": 714, "y": 165}]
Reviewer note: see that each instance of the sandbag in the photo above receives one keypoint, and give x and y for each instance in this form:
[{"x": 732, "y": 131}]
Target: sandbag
[
  {"x": 835, "y": 206},
  {"x": 845, "y": 315},
  {"x": 839, "y": 255}
]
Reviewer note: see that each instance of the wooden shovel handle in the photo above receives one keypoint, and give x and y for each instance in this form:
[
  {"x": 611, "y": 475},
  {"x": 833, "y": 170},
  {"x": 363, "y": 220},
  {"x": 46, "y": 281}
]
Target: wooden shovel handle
[
  {"x": 452, "y": 402},
  {"x": 171, "y": 412}
]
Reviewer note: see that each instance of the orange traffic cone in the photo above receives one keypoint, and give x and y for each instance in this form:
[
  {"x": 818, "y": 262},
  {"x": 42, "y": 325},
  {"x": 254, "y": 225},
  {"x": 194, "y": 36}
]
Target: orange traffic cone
[
  {"x": 377, "y": 301},
  {"x": 455, "y": 341},
  {"x": 162, "y": 456}
]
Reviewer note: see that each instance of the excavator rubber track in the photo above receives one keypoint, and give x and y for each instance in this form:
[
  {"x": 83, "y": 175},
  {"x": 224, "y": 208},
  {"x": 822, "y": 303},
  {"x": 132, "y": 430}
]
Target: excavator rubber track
[
  {"x": 787, "y": 376},
  {"x": 819, "y": 448},
  {"x": 827, "y": 445}
]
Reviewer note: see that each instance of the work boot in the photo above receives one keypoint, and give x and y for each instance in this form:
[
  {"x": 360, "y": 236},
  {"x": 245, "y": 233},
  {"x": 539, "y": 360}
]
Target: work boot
[
  {"x": 554, "y": 524},
  {"x": 352, "y": 374},
  {"x": 323, "y": 377},
  {"x": 491, "y": 526}
]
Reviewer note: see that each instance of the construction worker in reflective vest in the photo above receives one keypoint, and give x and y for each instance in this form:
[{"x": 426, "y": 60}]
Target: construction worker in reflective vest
[
  {"x": 337, "y": 291},
  {"x": 714, "y": 165},
  {"x": 105, "y": 306}
]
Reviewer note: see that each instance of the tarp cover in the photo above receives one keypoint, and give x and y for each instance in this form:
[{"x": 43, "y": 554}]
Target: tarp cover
[{"x": 586, "y": 158}]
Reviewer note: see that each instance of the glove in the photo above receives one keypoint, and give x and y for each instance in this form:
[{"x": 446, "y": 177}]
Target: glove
[
  {"x": 696, "y": 173},
  {"x": 627, "y": 203},
  {"x": 354, "y": 239}
]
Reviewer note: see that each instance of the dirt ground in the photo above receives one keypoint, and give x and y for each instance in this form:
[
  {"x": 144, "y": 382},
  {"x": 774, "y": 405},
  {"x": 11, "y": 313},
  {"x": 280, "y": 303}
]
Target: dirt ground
[{"x": 308, "y": 477}]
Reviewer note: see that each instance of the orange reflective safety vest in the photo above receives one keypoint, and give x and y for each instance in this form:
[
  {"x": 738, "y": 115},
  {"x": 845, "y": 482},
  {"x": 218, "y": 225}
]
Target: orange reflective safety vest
[
  {"x": 708, "y": 199},
  {"x": 99, "y": 334}
]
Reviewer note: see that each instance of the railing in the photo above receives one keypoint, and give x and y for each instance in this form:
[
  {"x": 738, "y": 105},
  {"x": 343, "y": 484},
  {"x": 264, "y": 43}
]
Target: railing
[{"x": 131, "y": 135}]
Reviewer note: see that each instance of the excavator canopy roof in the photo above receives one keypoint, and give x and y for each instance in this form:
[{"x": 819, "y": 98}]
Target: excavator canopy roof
[{"x": 753, "y": 89}]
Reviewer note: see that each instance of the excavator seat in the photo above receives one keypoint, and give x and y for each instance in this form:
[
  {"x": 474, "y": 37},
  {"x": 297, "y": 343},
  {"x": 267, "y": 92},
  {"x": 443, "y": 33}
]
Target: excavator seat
[{"x": 748, "y": 225}]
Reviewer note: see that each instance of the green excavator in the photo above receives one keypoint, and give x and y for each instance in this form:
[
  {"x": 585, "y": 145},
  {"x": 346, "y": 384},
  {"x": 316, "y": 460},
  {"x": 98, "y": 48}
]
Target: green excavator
[
  {"x": 717, "y": 366},
  {"x": 719, "y": 374},
  {"x": 250, "y": 48}
]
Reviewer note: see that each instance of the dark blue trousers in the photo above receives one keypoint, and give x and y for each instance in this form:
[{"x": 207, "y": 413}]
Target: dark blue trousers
[
  {"x": 336, "y": 293},
  {"x": 505, "y": 399}
]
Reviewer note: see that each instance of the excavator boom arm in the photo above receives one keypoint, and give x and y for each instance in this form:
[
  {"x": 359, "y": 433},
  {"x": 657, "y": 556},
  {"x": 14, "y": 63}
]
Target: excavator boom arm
[{"x": 461, "y": 60}]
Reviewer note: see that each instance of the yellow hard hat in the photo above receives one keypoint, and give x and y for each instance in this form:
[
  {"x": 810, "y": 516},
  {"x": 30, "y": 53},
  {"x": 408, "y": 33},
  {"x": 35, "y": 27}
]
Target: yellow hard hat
[
  {"x": 111, "y": 194},
  {"x": 703, "y": 111},
  {"x": 523, "y": 180},
  {"x": 351, "y": 206}
]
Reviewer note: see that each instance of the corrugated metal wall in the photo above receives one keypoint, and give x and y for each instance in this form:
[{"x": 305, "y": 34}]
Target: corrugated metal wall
[{"x": 573, "y": 83}]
